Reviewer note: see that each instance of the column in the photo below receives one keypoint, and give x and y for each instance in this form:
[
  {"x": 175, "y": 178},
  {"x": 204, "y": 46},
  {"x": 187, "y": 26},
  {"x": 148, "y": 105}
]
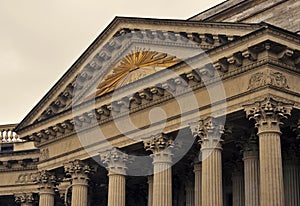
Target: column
[
  {"x": 209, "y": 132},
  {"x": 189, "y": 193},
  {"x": 78, "y": 171},
  {"x": 115, "y": 162},
  {"x": 24, "y": 199},
  {"x": 291, "y": 177},
  {"x": 47, "y": 184},
  {"x": 267, "y": 115},
  {"x": 238, "y": 193},
  {"x": 251, "y": 172},
  {"x": 150, "y": 190},
  {"x": 198, "y": 183},
  {"x": 160, "y": 146}
]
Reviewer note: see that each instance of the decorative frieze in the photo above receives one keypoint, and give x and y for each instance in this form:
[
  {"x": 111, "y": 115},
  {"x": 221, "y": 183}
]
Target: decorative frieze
[
  {"x": 26, "y": 178},
  {"x": 197, "y": 76},
  {"x": 260, "y": 79}
]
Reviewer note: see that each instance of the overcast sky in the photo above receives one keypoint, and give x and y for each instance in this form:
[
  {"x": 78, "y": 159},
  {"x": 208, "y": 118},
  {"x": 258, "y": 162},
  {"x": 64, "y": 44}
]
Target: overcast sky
[{"x": 40, "y": 40}]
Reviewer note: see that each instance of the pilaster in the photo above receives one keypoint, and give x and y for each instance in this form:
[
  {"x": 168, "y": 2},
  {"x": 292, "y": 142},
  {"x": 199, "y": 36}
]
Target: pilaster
[
  {"x": 160, "y": 146},
  {"x": 268, "y": 115}
]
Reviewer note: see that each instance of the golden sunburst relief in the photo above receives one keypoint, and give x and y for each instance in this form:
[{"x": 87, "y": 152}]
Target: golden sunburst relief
[{"x": 136, "y": 65}]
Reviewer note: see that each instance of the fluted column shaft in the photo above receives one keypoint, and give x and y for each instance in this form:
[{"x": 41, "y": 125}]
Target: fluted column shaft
[
  {"x": 80, "y": 191},
  {"x": 209, "y": 132},
  {"x": 161, "y": 145},
  {"x": 47, "y": 183},
  {"x": 162, "y": 179},
  {"x": 190, "y": 194},
  {"x": 212, "y": 193},
  {"x": 268, "y": 115},
  {"x": 198, "y": 183},
  {"x": 26, "y": 204},
  {"x": 271, "y": 176},
  {"x": 150, "y": 190},
  {"x": 116, "y": 162},
  {"x": 251, "y": 178},
  {"x": 116, "y": 190},
  {"x": 78, "y": 171},
  {"x": 46, "y": 197},
  {"x": 291, "y": 175},
  {"x": 238, "y": 193}
]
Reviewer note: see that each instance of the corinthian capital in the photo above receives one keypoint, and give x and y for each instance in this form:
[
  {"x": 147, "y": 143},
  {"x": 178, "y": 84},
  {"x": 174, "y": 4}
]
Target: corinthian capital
[
  {"x": 46, "y": 180},
  {"x": 209, "y": 132},
  {"x": 158, "y": 143},
  {"x": 77, "y": 168},
  {"x": 268, "y": 113},
  {"x": 115, "y": 161},
  {"x": 24, "y": 198}
]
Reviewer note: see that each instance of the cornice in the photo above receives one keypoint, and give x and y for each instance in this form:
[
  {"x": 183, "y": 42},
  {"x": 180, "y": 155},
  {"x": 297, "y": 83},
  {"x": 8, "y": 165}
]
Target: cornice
[
  {"x": 224, "y": 73},
  {"x": 103, "y": 37}
]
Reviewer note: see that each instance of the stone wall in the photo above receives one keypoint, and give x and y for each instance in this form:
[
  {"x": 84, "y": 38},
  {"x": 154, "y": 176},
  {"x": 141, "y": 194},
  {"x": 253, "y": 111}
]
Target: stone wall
[{"x": 281, "y": 13}]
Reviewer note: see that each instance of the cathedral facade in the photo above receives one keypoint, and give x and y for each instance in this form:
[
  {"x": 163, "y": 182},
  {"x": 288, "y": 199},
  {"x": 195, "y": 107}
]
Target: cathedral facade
[{"x": 158, "y": 112}]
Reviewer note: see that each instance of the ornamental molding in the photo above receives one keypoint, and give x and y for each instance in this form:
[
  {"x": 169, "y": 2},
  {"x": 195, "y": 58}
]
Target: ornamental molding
[
  {"x": 77, "y": 168},
  {"x": 265, "y": 78},
  {"x": 158, "y": 143},
  {"x": 193, "y": 80},
  {"x": 112, "y": 28},
  {"x": 116, "y": 161},
  {"x": 24, "y": 198},
  {"x": 209, "y": 132},
  {"x": 26, "y": 178},
  {"x": 268, "y": 114},
  {"x": 46, "y": 180}
]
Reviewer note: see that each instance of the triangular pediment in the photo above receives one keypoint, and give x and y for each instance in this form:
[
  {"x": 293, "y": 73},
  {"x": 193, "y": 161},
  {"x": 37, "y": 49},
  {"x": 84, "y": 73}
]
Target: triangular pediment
[{"x": 175, "y": 39}]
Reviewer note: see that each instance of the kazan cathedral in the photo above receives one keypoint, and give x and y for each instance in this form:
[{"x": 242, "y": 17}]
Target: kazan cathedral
[{"x": 203, "y": 111}]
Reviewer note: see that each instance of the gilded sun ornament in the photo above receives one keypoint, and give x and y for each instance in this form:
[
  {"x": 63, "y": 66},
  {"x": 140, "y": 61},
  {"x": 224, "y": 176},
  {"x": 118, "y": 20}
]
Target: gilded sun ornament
[{"x": 136, "y": 65}]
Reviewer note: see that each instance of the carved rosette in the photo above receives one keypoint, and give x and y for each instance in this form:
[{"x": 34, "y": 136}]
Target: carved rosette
[
  {"x": 46, "y": 180},
  {"x": 22, "y": 198},
  {"x": 115, "y": 161},
  {"x": 268, "y": 114},
  {"x": 209, "y": 131},
  {"x": 77, "y": 169}
]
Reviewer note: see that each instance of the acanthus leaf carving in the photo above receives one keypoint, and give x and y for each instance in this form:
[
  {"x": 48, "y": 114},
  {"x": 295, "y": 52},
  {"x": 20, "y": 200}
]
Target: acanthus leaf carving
[{"x": 260, "y": 79}]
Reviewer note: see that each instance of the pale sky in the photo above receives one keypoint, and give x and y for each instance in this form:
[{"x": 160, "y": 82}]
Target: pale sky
[{"x": 40, "y": 40}]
